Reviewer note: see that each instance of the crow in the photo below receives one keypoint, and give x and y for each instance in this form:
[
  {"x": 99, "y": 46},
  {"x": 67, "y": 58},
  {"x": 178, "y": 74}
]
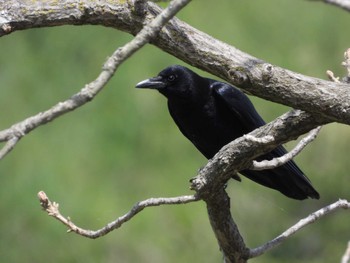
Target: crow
[{"x": 211, "y": 114}]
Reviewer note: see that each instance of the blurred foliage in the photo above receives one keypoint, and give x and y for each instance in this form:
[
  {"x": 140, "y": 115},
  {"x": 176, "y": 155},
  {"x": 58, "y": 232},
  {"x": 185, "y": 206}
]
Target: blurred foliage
[{"x": 123, "y": 147}]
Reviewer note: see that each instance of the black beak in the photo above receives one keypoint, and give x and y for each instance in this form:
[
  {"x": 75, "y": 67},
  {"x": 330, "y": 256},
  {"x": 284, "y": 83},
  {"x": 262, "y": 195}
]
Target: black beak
[{"x": 152, "y": 83}]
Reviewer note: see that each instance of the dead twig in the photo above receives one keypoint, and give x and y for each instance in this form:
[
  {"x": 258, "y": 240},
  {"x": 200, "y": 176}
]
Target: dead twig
[{"x": 52, "y": 208}]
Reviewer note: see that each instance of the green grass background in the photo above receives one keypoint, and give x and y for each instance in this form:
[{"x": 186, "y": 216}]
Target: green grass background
[{"x": 123, "y": 147}]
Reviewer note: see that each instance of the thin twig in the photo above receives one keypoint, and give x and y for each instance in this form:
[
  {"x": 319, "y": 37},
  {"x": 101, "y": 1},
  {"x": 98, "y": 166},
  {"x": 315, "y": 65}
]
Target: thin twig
[
  {"x": 302, "y": 223},
  {"x": 332, "y": 77},
  {"x": 87, "y": 93},
  {"x": 346, "y": 64},
  {"x": 275, "y": 162},
  {"x": 346, "y": 256},
  {"x": 344, "y": 4},
  {"x": 10, "y": 144},
  {"x": 52, "y": 208}
]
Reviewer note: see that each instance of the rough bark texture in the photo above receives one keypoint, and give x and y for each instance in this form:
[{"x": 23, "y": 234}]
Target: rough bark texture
[
  {"x": 238, "y": 154},
  {"x": 225, "y": 229},
  {"x": 322, "y": 101},
  {"x": 326, "y": 99}
]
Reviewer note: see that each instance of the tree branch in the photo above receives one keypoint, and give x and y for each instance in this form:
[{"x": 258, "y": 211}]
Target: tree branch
[
  {"x": 238, "y": 154},
  {"x": 86, "y": 94},
  {"x": 210, "y": 182},
  {"x": 9, "y": 145},
  {"x": 326, "y": 100},
  {"x": 225, "y": 229},
  {"x": 52, "y": 209},
  {"x": 346, "y": 64},
  {"x": 344, "y": 204},
  {"x": 346, "y": 256},
  {"x": 344, "y": 4},
  {"x": 275, "y": 162}
]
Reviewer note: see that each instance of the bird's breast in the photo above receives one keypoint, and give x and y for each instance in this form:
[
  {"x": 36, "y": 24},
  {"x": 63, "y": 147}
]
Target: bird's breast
[{"x": 208, "y": 128}]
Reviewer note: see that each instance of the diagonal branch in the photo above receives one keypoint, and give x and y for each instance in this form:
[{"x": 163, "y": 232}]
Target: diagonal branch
[
  {"x": 344, "y": 4},
  {"x": 326, "y": 100},
  {"x": 346, "y": 256},
  {"x": 86, "y": 94},
  {"x": 210, "y": 182},
  {"x": 52, "y": 209},
  {"x": 198, "y": 49},
  {"x": 238, "y": 154},
  {"x": 344, "y": 204},
  {"x": 8, "y": 147},
  {"x": 275, "y": 162}
]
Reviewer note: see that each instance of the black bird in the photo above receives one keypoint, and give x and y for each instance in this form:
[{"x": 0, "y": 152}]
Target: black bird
[{"x": 211, "y": 114}]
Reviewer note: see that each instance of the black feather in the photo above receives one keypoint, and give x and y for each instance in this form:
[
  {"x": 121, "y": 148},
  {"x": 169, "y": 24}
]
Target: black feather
[{"x": 211, "y": 114}]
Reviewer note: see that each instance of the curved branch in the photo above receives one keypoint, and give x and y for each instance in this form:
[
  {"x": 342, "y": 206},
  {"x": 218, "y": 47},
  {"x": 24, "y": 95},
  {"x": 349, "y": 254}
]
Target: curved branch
[
  {"x": 344, "y": 204},
  {"x": 326, "y": 100},
  {"x": 86, "y": 94},
  {"x": 52, "y": 209},
  {"x": 275, "y": 162}
]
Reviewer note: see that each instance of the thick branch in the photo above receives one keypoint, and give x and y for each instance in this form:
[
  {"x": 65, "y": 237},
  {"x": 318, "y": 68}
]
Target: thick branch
[
  {"x": 327, "y": 100},
  {"x": 225, "y": 229},
  {"x": 238, "y": 154}
]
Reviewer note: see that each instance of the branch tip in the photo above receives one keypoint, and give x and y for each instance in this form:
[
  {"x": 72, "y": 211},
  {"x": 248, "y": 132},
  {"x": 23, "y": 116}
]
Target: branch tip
[
  {"x": 44, "y": 200},
  {"x": 344, "y": 204}
]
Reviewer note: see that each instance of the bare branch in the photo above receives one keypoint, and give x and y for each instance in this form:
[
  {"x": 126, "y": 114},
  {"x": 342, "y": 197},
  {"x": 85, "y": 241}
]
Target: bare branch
[
  {"x": 275, "y": 162},
  {"x": 198, "y": 49},
  {"x": 9, "y": 145},
  {"x": 52, "y": 208},
  {"x": 87, "y": 93},
  {"x": 265, "y": 139},
  {"x": 302, "y": 223},
  {"x": 326, "y": 100},
  {"x": 238, "y": 154},
  {"x": 346, "y": 64},
  {"x": 346, "y": 256},
  {"x": 344, "y": 4},
  {"x": 332, "y": 77},
  {"x": 225, "y": 229}
]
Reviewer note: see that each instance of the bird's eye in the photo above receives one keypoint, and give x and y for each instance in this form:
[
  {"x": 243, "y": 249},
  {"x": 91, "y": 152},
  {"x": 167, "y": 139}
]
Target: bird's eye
[{"x": 171, "y": 77}]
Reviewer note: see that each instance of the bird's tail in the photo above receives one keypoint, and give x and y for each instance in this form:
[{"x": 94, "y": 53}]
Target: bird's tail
[{"x": 288, "y": 178}]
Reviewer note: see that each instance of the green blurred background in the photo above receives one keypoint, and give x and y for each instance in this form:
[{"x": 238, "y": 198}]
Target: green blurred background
[{"x": 123, "y": 147}]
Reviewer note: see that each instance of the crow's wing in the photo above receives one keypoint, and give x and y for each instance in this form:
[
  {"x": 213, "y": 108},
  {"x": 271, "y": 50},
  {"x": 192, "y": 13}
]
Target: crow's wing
[
  {"x": 288, "y": 178},
  {"x": 239, "y": 104}
]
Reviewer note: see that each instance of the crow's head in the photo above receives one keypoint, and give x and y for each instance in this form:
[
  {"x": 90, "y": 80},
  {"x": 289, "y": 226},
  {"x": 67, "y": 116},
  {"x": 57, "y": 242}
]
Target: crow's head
[{"x": 173, "y": 81}]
